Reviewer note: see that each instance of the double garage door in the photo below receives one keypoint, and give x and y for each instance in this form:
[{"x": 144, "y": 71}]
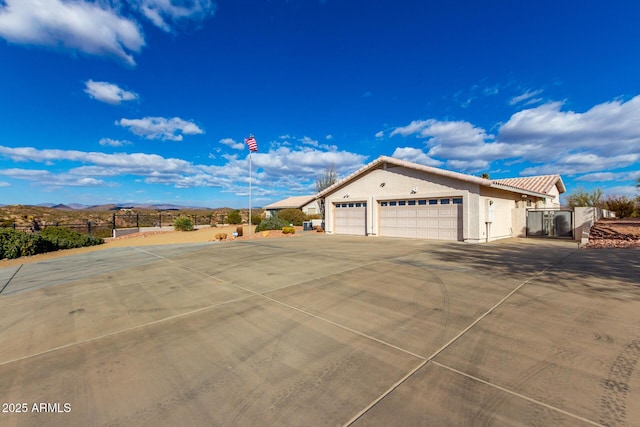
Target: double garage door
[{"x": 435, "y": 218}]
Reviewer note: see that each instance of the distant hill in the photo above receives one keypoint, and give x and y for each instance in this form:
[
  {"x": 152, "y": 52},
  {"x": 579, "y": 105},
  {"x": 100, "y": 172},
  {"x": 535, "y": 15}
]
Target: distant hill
[{"x": 62, "y": 207}]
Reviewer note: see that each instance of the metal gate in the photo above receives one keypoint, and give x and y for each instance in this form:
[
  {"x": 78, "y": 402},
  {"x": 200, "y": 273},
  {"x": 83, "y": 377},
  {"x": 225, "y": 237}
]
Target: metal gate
[{"x": 550, "y": 223}]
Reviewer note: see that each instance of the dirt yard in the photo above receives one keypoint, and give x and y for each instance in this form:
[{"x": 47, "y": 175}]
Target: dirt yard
[
  {"x": 615, "y": 233},
  {"x": 202, "y": 235}
]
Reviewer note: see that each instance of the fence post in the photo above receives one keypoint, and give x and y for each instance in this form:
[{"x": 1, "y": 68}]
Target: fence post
[
  {"x": 13, "y": 225},
  {"x": 89, "y": 228},
  {"x": 113, "y": 222},
  {"x": 160, "y": 219},
  {"x": 138, "y": 221}
]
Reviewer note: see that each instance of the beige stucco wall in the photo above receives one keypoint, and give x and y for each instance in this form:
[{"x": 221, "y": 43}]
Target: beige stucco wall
[
  {"x": 400, "y": 182},
  {"x": 313, "y": 206},
  {"x": 504, "y": 202}
]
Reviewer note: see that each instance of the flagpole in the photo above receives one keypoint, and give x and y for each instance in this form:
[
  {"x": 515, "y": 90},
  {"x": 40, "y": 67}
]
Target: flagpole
[{"x": 250, "y": 227}]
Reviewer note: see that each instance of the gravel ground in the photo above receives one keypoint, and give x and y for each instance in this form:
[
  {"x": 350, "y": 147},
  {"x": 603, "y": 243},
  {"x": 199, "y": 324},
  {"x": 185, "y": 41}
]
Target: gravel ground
[{"x": 615, "y": 233}]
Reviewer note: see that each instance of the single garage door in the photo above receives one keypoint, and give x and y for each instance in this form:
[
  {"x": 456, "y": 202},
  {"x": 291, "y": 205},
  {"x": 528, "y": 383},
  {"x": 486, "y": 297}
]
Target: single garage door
[
  {"x": 436, "y": 218},
  {"x": 350, "y": 218}
]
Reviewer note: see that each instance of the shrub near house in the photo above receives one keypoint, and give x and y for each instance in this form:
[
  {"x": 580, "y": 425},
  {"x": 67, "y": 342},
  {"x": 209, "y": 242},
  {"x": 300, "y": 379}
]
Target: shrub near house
[{"x": 293, "y": 216}]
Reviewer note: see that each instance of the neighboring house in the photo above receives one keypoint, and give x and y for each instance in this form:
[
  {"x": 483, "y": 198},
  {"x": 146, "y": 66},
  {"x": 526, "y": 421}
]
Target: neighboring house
[
  {"x": 306, "y": 204},
  {"x": 397, "y": 198}
]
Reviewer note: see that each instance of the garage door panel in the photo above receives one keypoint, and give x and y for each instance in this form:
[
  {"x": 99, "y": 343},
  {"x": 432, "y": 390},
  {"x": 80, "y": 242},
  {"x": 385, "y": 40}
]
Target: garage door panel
[
  {"x": 440, "y": 220},
  {"x": 350, "y": 219}
]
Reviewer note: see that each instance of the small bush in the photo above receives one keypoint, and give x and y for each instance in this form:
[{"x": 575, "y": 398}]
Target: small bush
[
  {"x": 293, "y": 216},
  {"x": 288, "y": 230},
  {"x": 239, "y": 231},
  {"x": 234, "y": 217},
  {"x": 183, "y": 223},
  {"x": 256, "y": 219},
  {"x": 272, "y": 223}
]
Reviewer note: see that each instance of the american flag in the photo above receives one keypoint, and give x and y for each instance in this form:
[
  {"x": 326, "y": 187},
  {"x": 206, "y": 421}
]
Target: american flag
[{"x": 251, "y": 142}]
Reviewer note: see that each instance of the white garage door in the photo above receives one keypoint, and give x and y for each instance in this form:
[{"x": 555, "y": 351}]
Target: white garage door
[
  {"x": 436, "y": 218},
  {"x": 350, "y": 218}
]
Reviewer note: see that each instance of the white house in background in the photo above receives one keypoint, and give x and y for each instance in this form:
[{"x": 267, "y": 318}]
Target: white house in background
[
  {"x": 307, "y": 204},
  {"x": 397, "y": 198}
]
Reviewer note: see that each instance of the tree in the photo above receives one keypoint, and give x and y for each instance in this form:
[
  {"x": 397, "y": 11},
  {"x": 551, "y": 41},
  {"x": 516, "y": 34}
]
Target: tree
[
  {"x": 485, "y": 175},
  {"x": 326, "y": 180},
  {"x": 234, "y": 217},
  {"x": 621, "y": 205},
  {"x": 582, "y": 198}
]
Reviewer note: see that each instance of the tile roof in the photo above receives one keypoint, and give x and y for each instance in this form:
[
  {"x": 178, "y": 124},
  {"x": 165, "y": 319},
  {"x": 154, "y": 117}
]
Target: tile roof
[
  {"x": 295, "y": 202},
  {"x": 537, "y": 184}
]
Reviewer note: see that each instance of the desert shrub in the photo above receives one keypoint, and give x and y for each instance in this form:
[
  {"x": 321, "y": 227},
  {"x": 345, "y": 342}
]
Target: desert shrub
[
  {"x": 293, "y": 216},
  {"x": 272, "y": 223},
  {"x": 183, "y": 223},
  {"x": 14, "y": 244},
  {"x": 63, "y": 238},
  {"x": 256, "y": 219},
  {"x": 234, "y": 217},
  {"x": 621, "y": 205},
  {"x": 288, "y": 230},
  {"x": 239, "y": 231}
]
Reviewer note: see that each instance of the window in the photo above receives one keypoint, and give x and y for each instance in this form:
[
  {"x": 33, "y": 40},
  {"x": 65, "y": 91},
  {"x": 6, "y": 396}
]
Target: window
[
  {"x": 402, "y": 202},
  {"x": 364, "y": 204},
  {"x": 444, "y": 201},
  {"x": 393, "y": 203},
  {"x": 358, "y": 205},
  {"x": 337, "y": 205},
  {"x": 457, "y": 200},
  {"x": 384, "y": 203},
  {"x": 422, "y": 202},
  {"x": 350, "y": 205},
  {"x": 433, "y": 201},
  {"x": 412, "y": 202},
  {"x": 344, "y": 205}
]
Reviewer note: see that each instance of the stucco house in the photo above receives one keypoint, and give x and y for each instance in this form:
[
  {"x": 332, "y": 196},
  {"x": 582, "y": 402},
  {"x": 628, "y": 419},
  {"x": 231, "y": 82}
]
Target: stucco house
[
  {"x": 307, "y": 204},
  {"x": 397, "y": 198}
]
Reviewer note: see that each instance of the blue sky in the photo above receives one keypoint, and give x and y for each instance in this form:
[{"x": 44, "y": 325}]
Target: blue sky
[{"x": 149, "y": 101}]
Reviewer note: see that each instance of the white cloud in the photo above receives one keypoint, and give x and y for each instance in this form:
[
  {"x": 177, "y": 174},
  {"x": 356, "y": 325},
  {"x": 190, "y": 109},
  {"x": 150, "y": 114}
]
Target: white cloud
[
  {"x": 415, "y": 155},
  {"x": 379, "y": 134},
  {"x": 606, "y": 137},
  {"x": 232, "y": 143},
  {"x": 50, "y": 180},
  {"x": 412, "y": 128},
  {"x": 113, "y": 142},
  {"x": 328, "y": 137},
  {"x": 528, "y": 96},
  {"x": 161, "y": 128},
  {"x": 4, "y": 184},
  {"x": 608, "y": 129},
  {"x": 164, "y": 13},
  {"x": 610, "y": 176},
  {"x": 309, "y": 141},
  {"x": 275, "y": 171},
  {"x": 79, "y": 25},
  {"x": 108, "y": 92}
]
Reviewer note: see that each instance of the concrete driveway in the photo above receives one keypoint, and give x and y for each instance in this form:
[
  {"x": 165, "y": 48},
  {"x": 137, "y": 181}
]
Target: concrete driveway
[{"x": 323, "y": 330}]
